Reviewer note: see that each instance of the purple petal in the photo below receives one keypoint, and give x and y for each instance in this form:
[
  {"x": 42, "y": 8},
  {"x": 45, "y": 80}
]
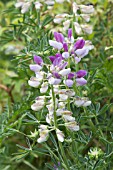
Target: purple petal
[
  {"x": 69, "y": 82},
  {"x": 59, "y": 163},
  {"x": 57, "y": 61},
  {"x": 81, "y": 81},
  {"x": 69, "y": 33},
  {"x": 81, "y": 73},
  {"x": 65, "y": 46},
  {"x": 79, "y": 44},
  {"x": 52, "y": 58},
  {"x": 71, "y": 75},
  {"x": 56, "y": 36},
  {"x": 63, "y": 66},
  {"x": 58, "y": 55},
  {"x": 59, "y": 37},
  {"x": 38, "y": 60},
  {"x": 56, "y": 75}
]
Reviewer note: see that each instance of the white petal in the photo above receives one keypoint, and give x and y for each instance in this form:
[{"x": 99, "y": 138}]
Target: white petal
[
  {"x": 87, "y": 103},
  {"x": 19, "y": 4},
  {"x": 39, "y": 75},
  {"x": 87, "y": 9},
  {"x": 69, "y": 118},
  {"x": 63, "y": 97},
  {"x": 65, "y": 72},
  {"x": 85, "y": 17},
  {"x": 33, "y": 82},
  {"x": 54, "y": 81},
  {"x": 66, "y": 25},
  {"x": 60, "y": 135},
  {"x": 37, "y": 106},
  {"x": 37, "y": 5},
  {"x": 79, "y": 102},
  {"x": 77, "y": 28},
  {"x": 44, "y": 87},
  {"x": 25, "y": 7},
  {"x": 87, "y": 28}
]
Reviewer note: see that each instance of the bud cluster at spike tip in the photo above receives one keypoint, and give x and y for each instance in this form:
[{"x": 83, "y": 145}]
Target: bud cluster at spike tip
[
  {"x": 82, "y": 14},
  {"x": 25, "y": 5}
]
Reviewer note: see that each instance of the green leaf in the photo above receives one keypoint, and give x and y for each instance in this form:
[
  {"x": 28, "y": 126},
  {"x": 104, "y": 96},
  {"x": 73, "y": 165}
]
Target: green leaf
[{"x": 47, "y": 20}]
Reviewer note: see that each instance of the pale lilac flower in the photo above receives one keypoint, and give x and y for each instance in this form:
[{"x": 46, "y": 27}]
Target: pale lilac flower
[
  {"x": 82, "y": 52},
  {"x": 55, "y": 44},
  {"x": 65, "y": 55},
  {"x": 80, "y": 81},
  {"x": 77, "y": 60},
  {"x": 68, "y": 82},
  {"x": 35, "y": 67}
]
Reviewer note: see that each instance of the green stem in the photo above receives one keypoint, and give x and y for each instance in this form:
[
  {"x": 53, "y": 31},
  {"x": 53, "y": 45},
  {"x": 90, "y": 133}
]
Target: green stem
[
  {"x": 63, "y": 155},
  {"x": 56, "y": 126},
  {"x": 54, "y": 104}
]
